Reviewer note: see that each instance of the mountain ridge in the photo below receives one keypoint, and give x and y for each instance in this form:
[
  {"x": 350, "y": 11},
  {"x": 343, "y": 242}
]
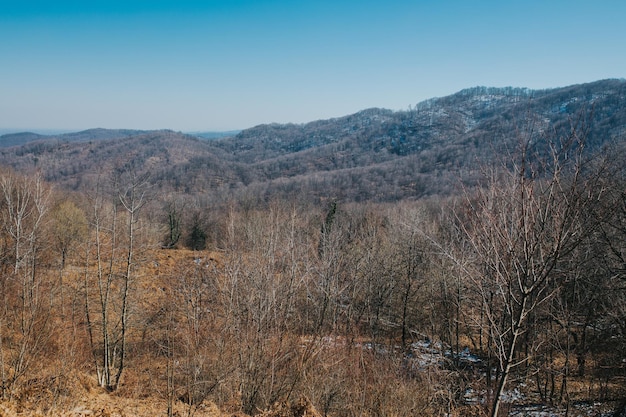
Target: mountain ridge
[{"x": 375, "y": 154}]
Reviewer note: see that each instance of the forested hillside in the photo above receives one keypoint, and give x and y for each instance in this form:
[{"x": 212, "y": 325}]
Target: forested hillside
[
  {"x": 465, "y": 257},
  {"x": 374, "y": 155}
]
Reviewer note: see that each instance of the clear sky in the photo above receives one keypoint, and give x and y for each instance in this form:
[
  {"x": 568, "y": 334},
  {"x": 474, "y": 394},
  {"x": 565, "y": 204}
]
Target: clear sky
[{"x": 223, "y": 65}]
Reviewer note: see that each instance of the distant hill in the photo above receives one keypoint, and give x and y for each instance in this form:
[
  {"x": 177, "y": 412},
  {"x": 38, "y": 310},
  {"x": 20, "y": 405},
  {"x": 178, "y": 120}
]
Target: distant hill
[
  {"x": 18, "y": 139},
  {"x": 372, "y": 155},
  {"x": 98, "y": 134},
  {"x": 174, "y": 160},
  {"x": 22, "y": 138},
  {"x": 475, "y": 114},
  {"x": 378, "y": 154}
]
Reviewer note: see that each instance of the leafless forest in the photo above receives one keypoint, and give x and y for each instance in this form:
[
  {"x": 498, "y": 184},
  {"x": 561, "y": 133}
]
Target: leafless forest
[{"x": 506, "y": 296}]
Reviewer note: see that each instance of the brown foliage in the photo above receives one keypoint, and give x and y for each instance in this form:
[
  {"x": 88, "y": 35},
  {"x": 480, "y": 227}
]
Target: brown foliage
[{"x": 301, "y": 310}]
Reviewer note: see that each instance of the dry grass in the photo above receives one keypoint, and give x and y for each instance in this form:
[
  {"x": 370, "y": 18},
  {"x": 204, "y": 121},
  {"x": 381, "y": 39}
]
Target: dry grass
[{"x": 340, "y": 380}]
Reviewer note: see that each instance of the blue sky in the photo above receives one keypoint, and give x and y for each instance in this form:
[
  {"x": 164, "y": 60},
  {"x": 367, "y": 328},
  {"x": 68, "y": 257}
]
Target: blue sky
[{"x": 224, "y": 65}]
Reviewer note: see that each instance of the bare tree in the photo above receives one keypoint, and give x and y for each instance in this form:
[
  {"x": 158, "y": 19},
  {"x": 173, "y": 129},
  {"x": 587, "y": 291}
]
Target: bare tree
[
  {"x": 522, "y": 226},
  {"x": 114, "y": 249},
  {"x": 24, "y": 318},
  {"x": 259, "y": 293}
]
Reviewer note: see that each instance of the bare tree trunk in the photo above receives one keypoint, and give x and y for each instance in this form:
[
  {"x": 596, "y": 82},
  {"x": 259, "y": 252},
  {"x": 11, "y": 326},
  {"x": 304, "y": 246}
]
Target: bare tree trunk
[
  {"x": 508, "y": 362},
  {"x": 133, "y": 197},
  {"x": 114, "y": 279}
]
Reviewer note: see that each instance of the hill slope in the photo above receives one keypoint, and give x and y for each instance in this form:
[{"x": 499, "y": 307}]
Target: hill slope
[{"x": 375, "y": 154}]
